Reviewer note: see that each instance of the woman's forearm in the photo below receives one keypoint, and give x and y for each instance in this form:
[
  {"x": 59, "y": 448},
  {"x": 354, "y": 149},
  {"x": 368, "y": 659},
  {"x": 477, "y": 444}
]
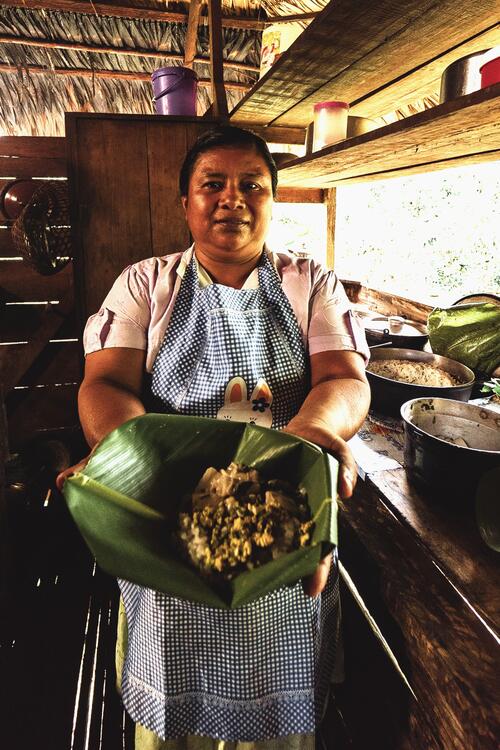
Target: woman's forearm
[
  {"x": 340, "y": 404},
  {"x": 103, "y": 406}
]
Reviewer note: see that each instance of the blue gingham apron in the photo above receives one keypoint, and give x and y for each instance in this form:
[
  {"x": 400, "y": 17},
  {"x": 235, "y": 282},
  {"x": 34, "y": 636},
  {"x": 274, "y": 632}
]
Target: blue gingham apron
[{"x": 261, "y": 671}]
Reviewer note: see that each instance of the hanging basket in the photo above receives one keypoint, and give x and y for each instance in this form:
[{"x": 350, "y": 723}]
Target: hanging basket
[{"x": 42, "y": 233}]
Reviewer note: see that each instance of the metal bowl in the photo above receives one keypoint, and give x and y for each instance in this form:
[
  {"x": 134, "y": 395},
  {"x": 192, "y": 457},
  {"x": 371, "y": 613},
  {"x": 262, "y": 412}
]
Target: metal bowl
[
  {"x": 449, "y": 447},
  {"x": 389, "y": 395}
]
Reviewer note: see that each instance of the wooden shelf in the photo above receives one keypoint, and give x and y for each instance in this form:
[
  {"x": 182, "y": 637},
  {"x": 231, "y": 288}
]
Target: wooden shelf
[
  {"x": 465, "y": 129},
  {"x": 378, "y": 56}
]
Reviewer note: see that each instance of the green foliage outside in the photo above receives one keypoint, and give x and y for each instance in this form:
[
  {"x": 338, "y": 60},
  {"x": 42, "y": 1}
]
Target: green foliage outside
[{"x": 431, "y": 237}]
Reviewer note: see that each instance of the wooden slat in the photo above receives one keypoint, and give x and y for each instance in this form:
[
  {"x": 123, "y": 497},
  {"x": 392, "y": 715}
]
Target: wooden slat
[
  {"x": 21, "y": 166},
  {"x": 219, "y": 100},
  {"x": 299, "y": 195},
  {"x": 424, "y": 82},
  {"x": 21, "y": 322},
  {"x": 386, "y": 303},
  {"x": 7, "y": 249},
  {"x": 40, "y": 409},
  {"x": 125, "y": 10},
  {"x": 331, "y": 216},
  {"x": 348, "y": 47},
  {"x": 465, "y": 127},
  {"x": 49, "y": 322},
  {"x": 275, "y": 135},
  {"x": 125, "y": 51},
  {"x": 192, "y": 33},
  {"x": 118, "y": 75},
  {"x": 19, "y": 283},
  {"x": 39, "y": 147},
  {"x": 58, "y": 363}
]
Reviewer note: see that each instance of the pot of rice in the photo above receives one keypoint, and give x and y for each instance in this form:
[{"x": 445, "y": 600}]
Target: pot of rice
[{"x": 398, "y": 375}]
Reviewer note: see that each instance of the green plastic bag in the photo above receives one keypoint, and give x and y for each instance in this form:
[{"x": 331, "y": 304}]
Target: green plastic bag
[
  {"x": 469, "y": 334},
  {"x": 126, "y": 501}
]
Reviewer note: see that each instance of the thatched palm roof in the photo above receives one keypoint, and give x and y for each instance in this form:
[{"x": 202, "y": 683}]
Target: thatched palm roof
[{"x": 39, "y": 82}]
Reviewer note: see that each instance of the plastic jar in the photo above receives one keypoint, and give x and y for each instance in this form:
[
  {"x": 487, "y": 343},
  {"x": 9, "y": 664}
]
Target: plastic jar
[
  {"x": 490, "y": 72},
  {"x": 330, "y": 123}
]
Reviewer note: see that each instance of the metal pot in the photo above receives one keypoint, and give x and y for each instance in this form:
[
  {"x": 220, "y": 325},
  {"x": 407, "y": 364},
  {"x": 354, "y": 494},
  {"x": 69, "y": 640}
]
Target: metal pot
[
  {"x": 401, "y": 333},
  {"x": 449, "y": 447},
  {"x": 389, "y": 395},
  {"x": 462, "y": 76}
]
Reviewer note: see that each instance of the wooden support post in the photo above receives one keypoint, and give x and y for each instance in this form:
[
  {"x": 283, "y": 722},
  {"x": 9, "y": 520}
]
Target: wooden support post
[
  {"x": 192, "y": 33},
  {"x": 219, "y": 103},
  {"x": 331, "y": 213}
]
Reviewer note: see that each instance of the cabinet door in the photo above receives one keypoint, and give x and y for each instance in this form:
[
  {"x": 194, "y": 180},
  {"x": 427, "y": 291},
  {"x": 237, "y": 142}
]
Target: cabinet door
[{"x": 123, "y": 172}]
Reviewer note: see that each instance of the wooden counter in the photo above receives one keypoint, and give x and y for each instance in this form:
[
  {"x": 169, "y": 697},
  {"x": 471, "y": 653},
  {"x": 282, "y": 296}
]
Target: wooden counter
[{"x": 431, "y": 585}]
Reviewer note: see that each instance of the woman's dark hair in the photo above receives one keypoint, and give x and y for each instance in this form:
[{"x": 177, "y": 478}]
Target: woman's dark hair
[{"x": 225, "y": 136}]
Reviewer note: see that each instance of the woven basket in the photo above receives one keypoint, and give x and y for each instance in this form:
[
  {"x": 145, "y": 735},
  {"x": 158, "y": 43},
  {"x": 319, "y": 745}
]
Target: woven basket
[{"x": 41, "y": 233}]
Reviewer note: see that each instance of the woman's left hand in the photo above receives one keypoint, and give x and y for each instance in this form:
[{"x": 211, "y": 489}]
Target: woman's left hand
[{"x": 317, "y": 432}]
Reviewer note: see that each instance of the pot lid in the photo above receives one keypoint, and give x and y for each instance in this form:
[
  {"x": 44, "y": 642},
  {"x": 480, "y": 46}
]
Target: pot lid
[{"x": 395, "y": 326}]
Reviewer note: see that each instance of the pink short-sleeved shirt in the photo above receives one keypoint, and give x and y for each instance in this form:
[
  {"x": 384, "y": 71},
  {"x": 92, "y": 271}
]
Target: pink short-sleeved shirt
[{"x": 137, "y": 310}]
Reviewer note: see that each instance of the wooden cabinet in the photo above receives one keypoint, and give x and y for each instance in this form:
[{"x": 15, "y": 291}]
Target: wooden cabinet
[{"x": 123, "y": 178}]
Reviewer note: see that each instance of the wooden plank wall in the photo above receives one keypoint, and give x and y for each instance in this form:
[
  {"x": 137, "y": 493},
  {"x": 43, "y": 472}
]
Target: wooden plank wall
[{"x": 39, "y": 346}]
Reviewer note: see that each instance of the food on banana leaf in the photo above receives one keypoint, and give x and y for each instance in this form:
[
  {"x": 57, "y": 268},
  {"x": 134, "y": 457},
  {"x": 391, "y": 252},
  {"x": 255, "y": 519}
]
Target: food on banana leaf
[{"x": 239, "y": 521}]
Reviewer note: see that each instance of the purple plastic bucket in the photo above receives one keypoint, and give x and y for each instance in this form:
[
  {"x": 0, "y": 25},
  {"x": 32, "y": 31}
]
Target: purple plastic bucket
[{"x": 174, "y": 91}]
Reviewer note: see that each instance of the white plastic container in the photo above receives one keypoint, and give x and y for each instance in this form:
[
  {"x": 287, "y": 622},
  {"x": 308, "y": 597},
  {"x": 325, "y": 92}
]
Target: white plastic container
[{"x": 330, "y": 123}]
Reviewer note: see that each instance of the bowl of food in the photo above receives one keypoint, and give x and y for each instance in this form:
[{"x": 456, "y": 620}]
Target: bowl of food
[
  {"x": 449, "y": 447},
  {"x": 398, "y": 375}
]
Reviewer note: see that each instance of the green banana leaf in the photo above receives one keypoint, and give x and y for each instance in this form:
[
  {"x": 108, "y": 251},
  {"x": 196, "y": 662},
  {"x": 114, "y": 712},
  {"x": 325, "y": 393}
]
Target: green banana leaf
[
  {"x": 127, "y": 500},
  {"x": 469, "y": 334}
]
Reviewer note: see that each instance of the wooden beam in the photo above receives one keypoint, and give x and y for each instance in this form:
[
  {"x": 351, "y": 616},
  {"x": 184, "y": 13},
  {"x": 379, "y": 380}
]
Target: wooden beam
[
  {"x": 51, "y": 319},
  {"x": 123, "y": 10},
  {"x": 300, "y": 195},
  {"x": 294, "y": 17},
  {"x": 99, "y": 49},
  {"x": 219, "y": 100},
  {"x": 331, "y": 216},
  {"x": 192, "y": 33},
  {"x": 42, "y": 147},
  {"x": 31, "y": 166},
  {"x": 274, "y": 135},
  {"x": 119, "y": 75}
]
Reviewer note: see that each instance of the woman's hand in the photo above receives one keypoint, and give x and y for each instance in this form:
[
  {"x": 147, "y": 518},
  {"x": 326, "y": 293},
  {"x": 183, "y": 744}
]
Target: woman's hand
[
  {"x": 317, "y": 432},
  {"x": 61, "y": 478}
]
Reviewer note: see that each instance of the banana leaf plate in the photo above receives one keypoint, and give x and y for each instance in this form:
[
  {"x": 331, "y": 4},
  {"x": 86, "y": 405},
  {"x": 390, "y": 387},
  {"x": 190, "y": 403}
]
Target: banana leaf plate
[{"x": 127, "y": 500}]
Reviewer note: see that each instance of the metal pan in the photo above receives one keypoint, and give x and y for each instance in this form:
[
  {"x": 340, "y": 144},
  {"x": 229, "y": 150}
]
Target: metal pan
[{"x": 389, "y": 395}]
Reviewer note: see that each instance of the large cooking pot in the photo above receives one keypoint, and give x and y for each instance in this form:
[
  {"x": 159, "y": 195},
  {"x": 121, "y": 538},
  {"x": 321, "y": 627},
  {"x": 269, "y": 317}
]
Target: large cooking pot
[
  {"x": 395, "y": 330},
  {"x": 449, "y": 447},
  {"x": 389, "y": 395}
]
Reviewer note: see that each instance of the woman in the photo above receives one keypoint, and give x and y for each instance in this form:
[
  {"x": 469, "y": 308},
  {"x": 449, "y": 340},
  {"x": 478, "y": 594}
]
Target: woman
[{"x": 210, "y": 325}]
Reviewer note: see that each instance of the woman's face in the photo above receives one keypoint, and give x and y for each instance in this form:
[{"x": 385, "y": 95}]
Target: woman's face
[{"x": 228, "y": 205}]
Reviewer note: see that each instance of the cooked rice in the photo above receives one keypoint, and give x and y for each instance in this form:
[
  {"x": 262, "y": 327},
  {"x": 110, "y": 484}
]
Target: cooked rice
[
  {"x": 239, "y": 521},
  {"x": 416, "y": 373}
]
